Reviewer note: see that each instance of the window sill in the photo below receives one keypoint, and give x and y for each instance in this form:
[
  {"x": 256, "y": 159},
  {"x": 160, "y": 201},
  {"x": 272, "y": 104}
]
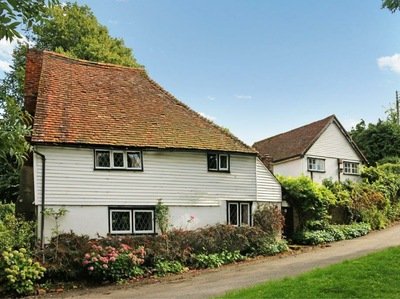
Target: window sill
[{"x": 320, "y": 171}]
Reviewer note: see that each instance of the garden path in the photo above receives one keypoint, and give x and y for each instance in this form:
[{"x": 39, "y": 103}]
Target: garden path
[{"x": 210, "y": 283}]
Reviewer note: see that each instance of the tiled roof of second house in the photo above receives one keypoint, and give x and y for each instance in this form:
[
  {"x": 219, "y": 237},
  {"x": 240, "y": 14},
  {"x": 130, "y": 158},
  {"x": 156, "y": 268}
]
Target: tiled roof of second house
[
  {"x": 293, "y": 143},
  {"x": 81, "y": 102}
]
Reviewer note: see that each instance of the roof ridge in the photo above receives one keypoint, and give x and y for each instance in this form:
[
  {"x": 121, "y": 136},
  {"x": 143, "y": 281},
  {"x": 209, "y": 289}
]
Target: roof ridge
[
  {"x": 223, "y": 130},
  {"x": 332, "y": 116},
  {"x": 89, "y": 62}
]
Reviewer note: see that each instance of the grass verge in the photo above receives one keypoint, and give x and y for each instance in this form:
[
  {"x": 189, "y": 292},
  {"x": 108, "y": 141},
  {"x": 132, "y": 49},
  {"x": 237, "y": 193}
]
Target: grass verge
[{"x": 374, "y": 276}]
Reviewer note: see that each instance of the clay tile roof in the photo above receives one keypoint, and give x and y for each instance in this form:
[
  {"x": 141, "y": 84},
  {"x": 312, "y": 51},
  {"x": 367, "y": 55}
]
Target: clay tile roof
[
  {"x": 82, "y": 102},
  {"x": 293, "y": 143}
]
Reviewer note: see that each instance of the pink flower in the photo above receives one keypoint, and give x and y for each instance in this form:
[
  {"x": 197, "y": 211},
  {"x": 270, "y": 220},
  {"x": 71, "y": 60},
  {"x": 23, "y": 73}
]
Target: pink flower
[
  {"x": 87, "y": 256},
  {"x": 94, "y": 259},
  {"x": 85, "y": 262},
  {"x": 105, "y": 266},
  {"x": 112, "y": 259},
  {"x": 91, "y": 268}
]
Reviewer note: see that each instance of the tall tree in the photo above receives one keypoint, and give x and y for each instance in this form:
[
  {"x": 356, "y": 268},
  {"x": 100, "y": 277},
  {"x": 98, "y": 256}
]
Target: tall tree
[{"x": 14, "y": 13}]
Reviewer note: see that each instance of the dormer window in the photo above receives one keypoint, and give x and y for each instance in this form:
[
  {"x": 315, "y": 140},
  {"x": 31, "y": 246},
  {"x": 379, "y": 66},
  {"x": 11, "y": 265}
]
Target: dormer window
[
  {"x": 118, "y": 159},
  {"x": 218, "y": 162}
]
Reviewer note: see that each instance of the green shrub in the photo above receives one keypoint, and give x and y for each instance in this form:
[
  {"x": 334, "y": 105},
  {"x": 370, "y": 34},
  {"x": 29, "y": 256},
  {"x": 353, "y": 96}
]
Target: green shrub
[
  {"x": 161, "y": 268},
  {"x": 267, "y": 246},
  {"x": 216, "y": 260},
  {"x": 16, "y": 233},
  {"x": 18, "y": 272},
  {"x": 331, "y": 233},
  {"x": 310, "y": 200},
  {"x": 270, "y": 219},
  {"x": 112, "y": 264},
  {"x": 6, "y": 209}
]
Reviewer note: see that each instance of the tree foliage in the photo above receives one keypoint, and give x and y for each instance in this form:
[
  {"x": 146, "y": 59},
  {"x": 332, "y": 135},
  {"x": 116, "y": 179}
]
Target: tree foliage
[
  {"x": 73, "y": 30},
  {"x": 377, "y": 141},
  {"x": 13, "y": 13},
  {"x": 392, "y": 5}
]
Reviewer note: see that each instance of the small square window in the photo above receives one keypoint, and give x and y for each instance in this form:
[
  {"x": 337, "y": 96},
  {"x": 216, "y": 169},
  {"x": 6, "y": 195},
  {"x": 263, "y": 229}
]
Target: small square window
[
  {"x": 102, "y": 159},
  {"x": 118, "y": 159},
  {"x": 223, "y": 162},
  {"x": 351, "y": 168},
  {"x": 315, "y": 164},
  {"x": 144, "y": 221},
  {"x": 212, "y": 162},
  {"x": 134, "y": 160},
  {"x": 121, "y": 221}
]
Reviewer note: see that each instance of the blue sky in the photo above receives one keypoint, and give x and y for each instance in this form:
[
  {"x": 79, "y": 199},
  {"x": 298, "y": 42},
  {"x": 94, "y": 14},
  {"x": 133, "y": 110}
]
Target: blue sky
[{"x": 263, "y": 67}]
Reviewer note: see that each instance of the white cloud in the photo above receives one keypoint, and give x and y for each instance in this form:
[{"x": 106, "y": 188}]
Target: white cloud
[
  {"x": 390, "y": 62},
  {"x": 6, "y": 50},
  {"x": 212, "y": 118},
  {"x": 243, "y": 97}
]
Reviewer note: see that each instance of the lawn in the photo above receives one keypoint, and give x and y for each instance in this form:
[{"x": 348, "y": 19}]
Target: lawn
[{"x": 374, "y": 276}]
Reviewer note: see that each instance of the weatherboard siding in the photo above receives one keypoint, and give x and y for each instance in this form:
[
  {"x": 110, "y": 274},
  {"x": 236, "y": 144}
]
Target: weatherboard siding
[
  {"x": 290, "y": 168},
  {"x": 178, "y": 178},
  {"x": 268, "y": 188},
  {"x": 332, "y": 143}
]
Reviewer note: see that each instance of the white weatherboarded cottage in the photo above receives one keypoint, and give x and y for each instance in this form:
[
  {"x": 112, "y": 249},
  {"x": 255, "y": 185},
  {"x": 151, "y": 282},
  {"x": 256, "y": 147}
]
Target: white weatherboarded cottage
[
  {"x": 109, "y": 143},
  {"x": 320, "y": 150}
]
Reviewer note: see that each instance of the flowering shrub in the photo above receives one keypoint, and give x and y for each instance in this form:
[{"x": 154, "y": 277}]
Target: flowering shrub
[
  {"x": 18, "y": 272},
  {"x": 111, "y": 264}
]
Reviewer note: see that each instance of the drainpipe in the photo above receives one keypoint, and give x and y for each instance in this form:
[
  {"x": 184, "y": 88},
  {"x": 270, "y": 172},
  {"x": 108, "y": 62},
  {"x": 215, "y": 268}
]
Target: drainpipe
[{"x": 43, "y": 198}]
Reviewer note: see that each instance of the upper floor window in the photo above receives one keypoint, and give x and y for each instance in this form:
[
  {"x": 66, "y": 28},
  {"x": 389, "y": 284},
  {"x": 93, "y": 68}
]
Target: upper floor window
[
  {"x": 118, "y": 159},
  {"x": 351, "y": 167},
  {"x": 315, "y": 164},
  {"x": 218, "y": 162}
]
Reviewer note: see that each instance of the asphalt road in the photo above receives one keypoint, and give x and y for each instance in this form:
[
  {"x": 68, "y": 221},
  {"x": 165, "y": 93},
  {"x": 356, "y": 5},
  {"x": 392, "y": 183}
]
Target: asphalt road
[{"x": 206, "y": 284}]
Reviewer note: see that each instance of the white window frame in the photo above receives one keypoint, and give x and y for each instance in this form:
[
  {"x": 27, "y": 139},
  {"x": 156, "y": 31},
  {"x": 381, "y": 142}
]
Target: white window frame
[
  {"x": 120, "y": 232},
  {"x": 95, "y": 158},
  {"x": 218, "y": 162},
  {"x": 310, "y": 166},
  {"x": 238, "y": 213},
  {"x": 141, "y": 158},
  {"x": 241, "y": 215},
  {"x": 123, "y": 159},
  {"x": 351, "y": 167},
  {"x": 227, "y": 162},
  {"x": 152, "y": 231}
]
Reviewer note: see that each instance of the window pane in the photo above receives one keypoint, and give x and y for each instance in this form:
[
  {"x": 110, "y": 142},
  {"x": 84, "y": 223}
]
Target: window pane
[
  {"x": 118, "y": 159},
  {"x": 134, "y": 160},
  {"x": 223, "y": 162},
  {"x": 120, "y": 221},
  {"x": 212, "y": 161},
  {"x": 233, "y": 214},
  {"x": 316, "y": 164},
  {"x": 245, "y": 214},
  {"x": 143, "y": 221},
  {"x": 102, "y": 159}
]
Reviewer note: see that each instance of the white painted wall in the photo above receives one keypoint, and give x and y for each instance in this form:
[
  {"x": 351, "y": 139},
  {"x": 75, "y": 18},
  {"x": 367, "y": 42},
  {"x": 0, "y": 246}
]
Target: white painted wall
[
  {"x": 268, "y": 188},
  {"x": 291, "y": 168},
  {"x": 180, "y": 179}
]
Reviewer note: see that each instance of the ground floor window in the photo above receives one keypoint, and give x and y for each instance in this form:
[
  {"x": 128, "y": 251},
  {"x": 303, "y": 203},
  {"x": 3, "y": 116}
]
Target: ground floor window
[
  {"x": 239, "y": 213},
  {"x": 131, "y": 221}
]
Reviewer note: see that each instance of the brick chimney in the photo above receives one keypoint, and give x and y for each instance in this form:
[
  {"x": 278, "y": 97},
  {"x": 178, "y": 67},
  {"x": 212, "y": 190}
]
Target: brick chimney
[
  {"x": 267, "y": 160},
  {"x": 33, "y": 70}
]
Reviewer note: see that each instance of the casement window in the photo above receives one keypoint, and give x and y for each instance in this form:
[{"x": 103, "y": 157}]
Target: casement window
[
  {"x": 218, "y": 162},
  {"x": 239, "y": 213},
  {"x": 118, "y": 159},
  {"x": 315, "y": 164},
  {"x": 132, "y": 221},
  {"x": 351, "y": 167}
]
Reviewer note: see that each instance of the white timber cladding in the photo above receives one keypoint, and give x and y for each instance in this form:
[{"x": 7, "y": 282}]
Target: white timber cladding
[
  {"x": 291, "y": 168},
  {"x": 178, "y": 178},
  {"x": 333, "y": 144},
  {"x": 268, "y": 188}
]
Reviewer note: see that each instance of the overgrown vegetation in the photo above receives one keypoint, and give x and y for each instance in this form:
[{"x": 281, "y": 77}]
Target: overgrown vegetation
[{"x": 372, "y": 203}]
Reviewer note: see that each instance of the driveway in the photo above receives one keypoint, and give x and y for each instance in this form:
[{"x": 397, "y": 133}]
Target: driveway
[{"x": 205, "y": 284}]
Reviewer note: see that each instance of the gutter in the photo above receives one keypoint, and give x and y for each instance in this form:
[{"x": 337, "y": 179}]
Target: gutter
[{"x": 43, "y": 198}]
